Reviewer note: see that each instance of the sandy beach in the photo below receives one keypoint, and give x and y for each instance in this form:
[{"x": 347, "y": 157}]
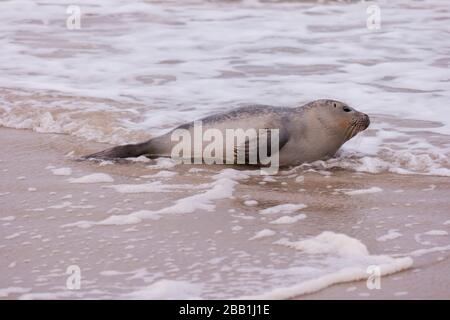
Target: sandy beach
[
  {"x": 371, "y": 222},
  {"x": 36, "y": 205}
]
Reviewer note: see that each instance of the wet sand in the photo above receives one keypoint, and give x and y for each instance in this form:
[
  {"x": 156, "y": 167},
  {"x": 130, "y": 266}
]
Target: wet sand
[{"x": 36, "y": 249}]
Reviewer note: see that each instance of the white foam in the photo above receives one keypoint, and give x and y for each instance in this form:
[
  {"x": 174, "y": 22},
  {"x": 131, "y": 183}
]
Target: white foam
[
  {"x": 156, "y": 186},
  {"x": 363, "y": 191},
  {"x": 163, "y": 163},
  {"x": 283, "y": 208},
  {"x": 131, "y": 218},
  {"x": 289, "y": 219},
  {"x": 8, "y": 218},
  {"x": 251, "y": 203},
  {"x": 269, "y": 179},
  {"x": 5, "y": 292},
  {"x": 395, "y": 161},
  {"x": 329, "y": 242},
  {"x": 62, "y": 171},
  {"x": 93, "y": 178},
  {"x": 221, "y": 188},
  {"x": 421, "y": 252},
  {"x": 64, "y": 204},
  {"x": 167, "y": 290},
  {"x": 300, "y": 179},
  {"x": 391, "y": 235},
  {"x": 263, "y": 234},
  {"x": 14, "y": 235},
  {"x": 139, "y": 159},
  {"x": 436, "y": 233},
  {"x": 161, "y": 174},
  {"x": 431, "y": 188},
  {"x": 340, "y": 276},
  {"x": 353, "y": 260}
]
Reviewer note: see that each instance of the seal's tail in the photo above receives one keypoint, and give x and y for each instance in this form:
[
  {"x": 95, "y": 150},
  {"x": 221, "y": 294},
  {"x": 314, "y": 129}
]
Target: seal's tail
[{"x": 125, "y": 151}]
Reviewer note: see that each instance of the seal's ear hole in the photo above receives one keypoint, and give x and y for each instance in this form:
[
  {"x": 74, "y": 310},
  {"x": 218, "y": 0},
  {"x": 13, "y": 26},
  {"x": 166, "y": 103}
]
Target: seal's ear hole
[
  {"x": 346, "y": 109},
  {"x": 334, "y": 105}
]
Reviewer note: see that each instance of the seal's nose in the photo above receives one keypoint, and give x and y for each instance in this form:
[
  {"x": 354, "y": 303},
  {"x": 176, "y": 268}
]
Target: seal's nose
[{"x": 366, "y": 120}]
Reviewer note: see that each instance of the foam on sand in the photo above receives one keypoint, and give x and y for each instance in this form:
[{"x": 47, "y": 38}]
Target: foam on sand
[
  {"x": 155, "y": 186},
  {"x": 263, "y": 234},
  {"x": 160, "y": 174},
  {"x": 421, "y": 252},
  {"x": 221, "y": 188},
  {"x": 8, "y": 218},
  {"x": 363, "y": 191},
  {"x": 62, "y": 171},
  {"x": 350, "y": 259},
  {"x": 289, "y": 219},
  {"x": 5, "y": 292},
  {"x": 436, "y": 233},
  {"x": 391, "y": 235},
  {"x": 328, "y": 242},
  {"x": 250, "y": 203},
  {"x": 163, "y": 163},
  {"x": 93, "y": 178},
  {"x": 167, "y": 289},
  {"x": 283, "y": 208},
  {"x": 403, "y": 88},
  {"x": 343, "y": 275}
]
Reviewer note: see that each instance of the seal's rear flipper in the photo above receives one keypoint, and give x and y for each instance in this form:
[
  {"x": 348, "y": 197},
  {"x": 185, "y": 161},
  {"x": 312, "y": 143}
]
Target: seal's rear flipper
[{"x": 125, "y": 151}]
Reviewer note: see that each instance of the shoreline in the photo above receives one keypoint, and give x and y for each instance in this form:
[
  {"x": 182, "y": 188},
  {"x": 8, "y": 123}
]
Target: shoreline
[{"x": 36, "y": 249}]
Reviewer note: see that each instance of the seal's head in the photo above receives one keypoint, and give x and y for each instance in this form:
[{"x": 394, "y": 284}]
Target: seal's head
[{"x": 341, "y": 119}]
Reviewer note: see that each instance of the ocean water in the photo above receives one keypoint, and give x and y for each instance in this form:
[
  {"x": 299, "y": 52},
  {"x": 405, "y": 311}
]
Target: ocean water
[{"x": 136, "y": 69}]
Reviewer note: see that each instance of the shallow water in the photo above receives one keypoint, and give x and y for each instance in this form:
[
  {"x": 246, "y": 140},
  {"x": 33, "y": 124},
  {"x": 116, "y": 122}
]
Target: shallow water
[
  {"x": 135, "y": 70},
  {"x": 158, "y": 231}
]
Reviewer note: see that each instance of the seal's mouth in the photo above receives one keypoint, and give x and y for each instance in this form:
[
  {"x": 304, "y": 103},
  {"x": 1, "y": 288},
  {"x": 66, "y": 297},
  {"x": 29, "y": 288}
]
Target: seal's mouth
[{"x": 357, "y": 125}]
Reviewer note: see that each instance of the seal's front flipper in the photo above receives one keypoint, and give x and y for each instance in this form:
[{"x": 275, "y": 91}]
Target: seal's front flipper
[
  {"x": 125, "y": 151},
  {"x": 257, "y": 150}
]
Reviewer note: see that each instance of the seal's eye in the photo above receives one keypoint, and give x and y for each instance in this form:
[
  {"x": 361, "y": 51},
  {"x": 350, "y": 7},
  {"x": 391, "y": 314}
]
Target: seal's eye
[{"x": 346, "y": 109}]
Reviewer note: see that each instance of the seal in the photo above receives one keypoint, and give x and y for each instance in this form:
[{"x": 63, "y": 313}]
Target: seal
[{"x": 314, "y": 131}]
